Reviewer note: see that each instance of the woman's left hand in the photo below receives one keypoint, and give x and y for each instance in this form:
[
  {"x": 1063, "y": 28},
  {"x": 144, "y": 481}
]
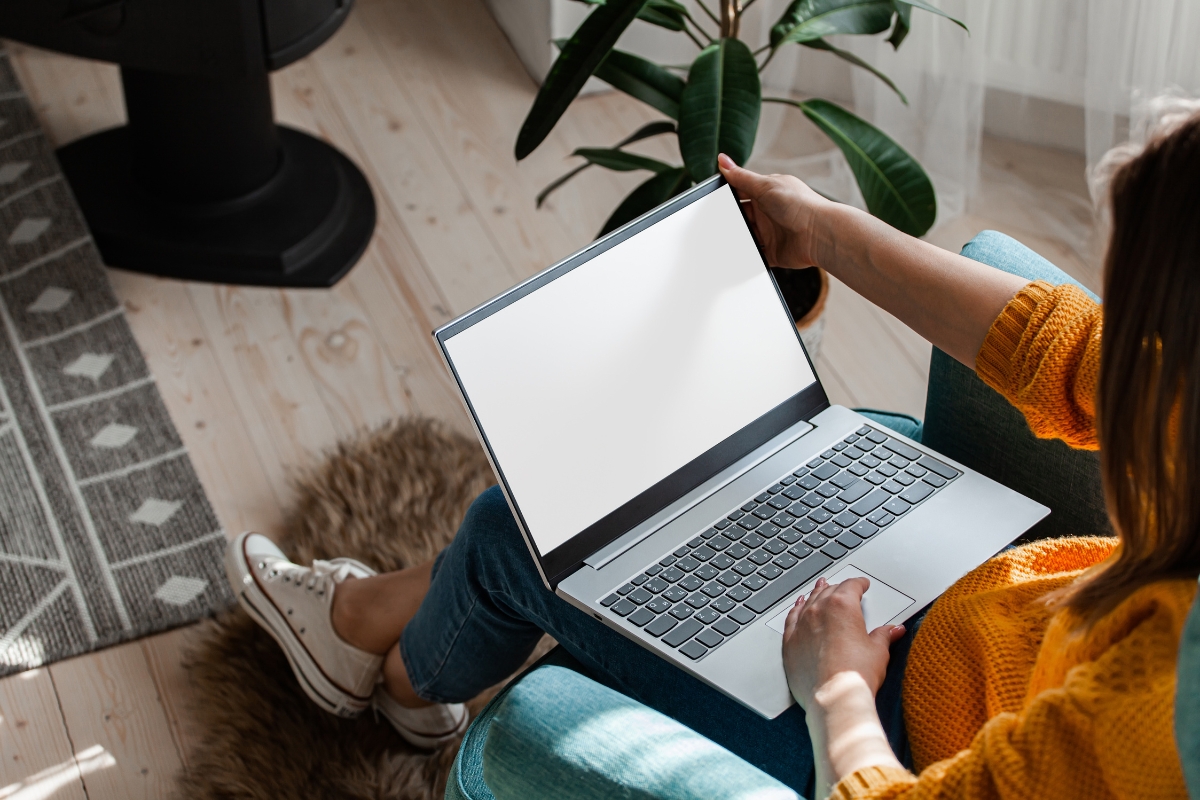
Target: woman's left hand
[{"x": 825, "y": 636}]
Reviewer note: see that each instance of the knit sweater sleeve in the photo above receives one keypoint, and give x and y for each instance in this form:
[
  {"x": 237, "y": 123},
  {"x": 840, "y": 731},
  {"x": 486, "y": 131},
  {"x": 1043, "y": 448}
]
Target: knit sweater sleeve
[{"x": 1043, "y": 354}]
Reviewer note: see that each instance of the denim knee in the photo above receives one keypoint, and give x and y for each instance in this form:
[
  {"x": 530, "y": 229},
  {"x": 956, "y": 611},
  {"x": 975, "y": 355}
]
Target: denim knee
[{"x": 491, "y": 541}]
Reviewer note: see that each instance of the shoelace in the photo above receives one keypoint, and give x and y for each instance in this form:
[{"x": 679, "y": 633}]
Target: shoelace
[{"x": 320, "y": 576}]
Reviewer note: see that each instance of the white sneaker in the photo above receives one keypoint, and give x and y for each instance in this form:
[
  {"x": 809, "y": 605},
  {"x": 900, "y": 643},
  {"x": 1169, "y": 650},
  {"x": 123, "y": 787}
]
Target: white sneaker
[
  {"x": 428, "y": 727},
  {"x": 294, "y": 603}
]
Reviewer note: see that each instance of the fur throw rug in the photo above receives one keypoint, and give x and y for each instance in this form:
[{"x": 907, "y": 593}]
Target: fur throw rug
[{"x": 390, "y": 498}]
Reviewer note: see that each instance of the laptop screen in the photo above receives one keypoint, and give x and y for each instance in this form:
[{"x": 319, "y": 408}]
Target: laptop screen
[{"x": 601, "y": 383}]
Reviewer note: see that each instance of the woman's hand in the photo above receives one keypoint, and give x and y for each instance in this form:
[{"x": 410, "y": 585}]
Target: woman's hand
[
  {"x": 783, "y": 212},
  {"x": 825, "y": 636}
]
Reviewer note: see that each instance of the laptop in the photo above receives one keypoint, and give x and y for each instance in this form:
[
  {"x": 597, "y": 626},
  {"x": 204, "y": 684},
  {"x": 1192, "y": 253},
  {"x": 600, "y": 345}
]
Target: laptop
[{"x": 673, "y": 461}]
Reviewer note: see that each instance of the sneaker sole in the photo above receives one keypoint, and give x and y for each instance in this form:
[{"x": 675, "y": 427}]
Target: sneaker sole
[
  {"x": 422, "y": 740},
  {"x": 319, "y": 688}
]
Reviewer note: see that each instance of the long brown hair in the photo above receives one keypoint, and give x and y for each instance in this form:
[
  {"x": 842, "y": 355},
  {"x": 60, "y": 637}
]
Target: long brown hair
[{"x": 1148, "y": 397}]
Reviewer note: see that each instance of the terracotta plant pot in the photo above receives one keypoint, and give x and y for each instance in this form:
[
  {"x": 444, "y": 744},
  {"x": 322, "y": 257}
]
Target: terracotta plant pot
[{"x": 805, "y": 292}]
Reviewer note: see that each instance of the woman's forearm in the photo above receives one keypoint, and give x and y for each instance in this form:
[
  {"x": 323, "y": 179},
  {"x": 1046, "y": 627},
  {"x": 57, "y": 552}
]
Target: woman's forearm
[
  {"x": 949, "y": 300},
  {"x": 845, "y": 731}
]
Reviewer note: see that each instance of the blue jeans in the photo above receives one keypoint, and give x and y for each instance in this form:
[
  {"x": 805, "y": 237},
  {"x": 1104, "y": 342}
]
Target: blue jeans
[{"x": 487, "y": 608}]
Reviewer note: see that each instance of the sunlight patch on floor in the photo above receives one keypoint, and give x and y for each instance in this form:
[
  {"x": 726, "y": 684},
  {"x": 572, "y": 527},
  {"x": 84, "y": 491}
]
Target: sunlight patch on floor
[{"x": 46, "y": 783}]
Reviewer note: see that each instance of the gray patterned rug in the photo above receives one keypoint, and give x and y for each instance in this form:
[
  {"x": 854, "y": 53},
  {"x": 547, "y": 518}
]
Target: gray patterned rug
[{"x": 105, "y": 532}]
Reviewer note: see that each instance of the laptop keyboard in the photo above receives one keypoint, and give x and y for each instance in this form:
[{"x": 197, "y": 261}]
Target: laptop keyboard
[{"x": 698, "y": 597}]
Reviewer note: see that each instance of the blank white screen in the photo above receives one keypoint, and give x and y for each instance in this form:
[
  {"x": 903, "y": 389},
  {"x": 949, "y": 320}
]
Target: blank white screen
[{"x": 601, "y": 383}]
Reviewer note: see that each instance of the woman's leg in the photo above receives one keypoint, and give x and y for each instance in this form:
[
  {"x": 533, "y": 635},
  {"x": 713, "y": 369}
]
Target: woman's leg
[{"x": 486, "y": 608}]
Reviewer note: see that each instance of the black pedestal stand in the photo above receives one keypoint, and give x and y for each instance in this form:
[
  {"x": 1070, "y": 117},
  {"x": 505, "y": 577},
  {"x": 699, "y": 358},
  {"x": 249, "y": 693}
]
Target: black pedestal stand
[{"x": 203, "y": 185}]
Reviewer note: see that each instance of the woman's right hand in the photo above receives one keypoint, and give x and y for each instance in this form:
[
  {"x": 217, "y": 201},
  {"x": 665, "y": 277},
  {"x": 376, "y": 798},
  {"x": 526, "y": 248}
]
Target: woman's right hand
[{"x": 784, "y": 212}]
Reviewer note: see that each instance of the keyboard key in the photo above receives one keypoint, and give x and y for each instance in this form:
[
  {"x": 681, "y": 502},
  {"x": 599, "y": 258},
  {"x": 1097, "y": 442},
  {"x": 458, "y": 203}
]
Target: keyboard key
[
  {"x": 896, "y": 506},
  {"x": 687, "y": 564},
  {"x": 800, "y": 473},
  {"x": 668, "y": 561},
  {"x": 793, "y": 579},
  {"x": 840, "y": 446},
  {"x": 794, "y": 492},
  {"x": 749, "y": 523},
  {"x": 875, "y": 436},
  {"x": 874, "y": 500},
  {"x": 800, "y": 551},
  {"x": 735, "y": 533},
  {"x": 639, "y": 580},
  {"x": 722, "y": 604},
  {"x": 710, "y": 637},
  {"x": 904, "y": 479},
  {"x": 835, "y": 506},
  {"x": 738, "y": 593},
  {"x": 815, "y": 540},
  {"x": 624, "y": 608},
  {"x": 776, "y": 488},
  {"x": 858, "y": 470},
  {"x": 719, "y": 543},
  {"x": 775, "y": 547},
  {"x": 881, "y": 518},
  {"x": 682, "y": 611},
  {"x": 916, "y": 470},
  {"x": 947, "y": 472},
  {"x": 897, "y": 446},
  {"x": 726, "y": 627},
  {"x": 675, "y": 594},
  {"x": 845, "y": 519},
  {"x": 916, "y": 493},
  {"x": 768, "y": 530},
  {"x": 851, "y": 439},
  {"x": 783, "y": 520},
  {"x": 864, "y": 530},
  {"x": 900, "y": 463},
  {"x": 827, "y": 490},
  {"x": 640, "y": 596},
  {"x": 710, "y": 533},
  {"x": 834, "y": 550},
  {"x": 816, "y": 462},
  {"x": 703, "y": 553},
  {"x": 659, "y": 605},
  {"x": 730, "y": 578},
  {"x": 626, "y": 589},
  {"x": 855, "y": 492},
  {"x": 739, "y": 550},
  {"x": 753, "y": 540},
  {"x": 713, "y": 589},
  {"x": 849, "y": 541},
  {"x": 831, "y": 529},
  {"x": 809, "y": 482},
  {"x": 786, "y": 561},
  {"x": 654, "y": 570},
  {"x": 683, "y": 632},
  {"x": 874, "y": 478},
  {"x": 853, "y": 453},
  {"x": 829, "y": 454},
  {"x": 745, "y": 568},
  {"x": 841, "y": 461},
  {"x": 779, "y": 503},
  {"x": 820, "y": 516},
  {"x": 750, "y": 505},
  {"x": 866, "y": 445},
  {"x": 722, "y": 561},
  {"x": 608, "y": 601},
  {"x": 863, "y": 431},
  {"x": 698, "y": 600},
  {"x": 694, "y": 543},
  {"x": 641, "y": 617},
  {"x": 661, "y": 625},
  {"x": 766, "y": 512},
  {"x": 935, "y": 480},
  {"x": 722, "y": 524},
  {"x": 843, "y": 480},
  {"x": 787, "y": 480},
  {"x": 892, "y": 487},
  {"x": 753, "y": 583},
  {"x": 707, "y": 572},
  {"x": 693, "y": 650},
  {"x": 825, "y": 471},
  {"x": 770, "y": 572},
  {"x": 760, "y": 557},
  {"x": 671, "y": 574},
  {"x": 681, "y": 552},
  {"x": 707, "y": 616},
  {"x": 869, "y": 461},
  {"x": 806, "y": 526},
  {"x": 742, "y": 615},
  {"x": 886, "y": 470},
  {"x": 735, "y": 515},
  {"x": 790, "y": 536},
  {"x": 691, "y": 583}
]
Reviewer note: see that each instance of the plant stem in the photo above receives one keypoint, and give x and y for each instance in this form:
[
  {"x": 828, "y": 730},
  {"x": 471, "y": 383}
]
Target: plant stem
[
  {"x": 692, "y": 36},
  {"x": 761, "y": 50},
  {"x": 689, "y": 18},
  {"x": 708, "y": 11},
  {"x": 730, "y": 17},
  {"x": 770, "y": 55},
  {"x": 743, "y": 8}
]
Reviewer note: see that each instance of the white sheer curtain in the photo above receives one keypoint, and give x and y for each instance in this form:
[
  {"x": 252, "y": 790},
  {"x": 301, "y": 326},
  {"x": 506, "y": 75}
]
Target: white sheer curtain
[{"x": 1109, "y": 58}]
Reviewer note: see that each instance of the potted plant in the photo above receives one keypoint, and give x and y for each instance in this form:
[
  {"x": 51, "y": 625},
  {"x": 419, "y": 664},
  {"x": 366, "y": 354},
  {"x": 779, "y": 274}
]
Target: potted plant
[{"x": 713, "y": 106}]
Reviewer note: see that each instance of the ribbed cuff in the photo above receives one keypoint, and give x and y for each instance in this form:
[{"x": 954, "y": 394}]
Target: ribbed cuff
[
  {"x": 995, "y": 361},
  {"x": 873, "y": 782}
]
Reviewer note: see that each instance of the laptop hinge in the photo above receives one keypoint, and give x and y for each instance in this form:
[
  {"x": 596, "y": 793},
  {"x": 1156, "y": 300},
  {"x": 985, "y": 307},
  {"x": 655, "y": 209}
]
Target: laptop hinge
[{"x": 623, "y": 543}]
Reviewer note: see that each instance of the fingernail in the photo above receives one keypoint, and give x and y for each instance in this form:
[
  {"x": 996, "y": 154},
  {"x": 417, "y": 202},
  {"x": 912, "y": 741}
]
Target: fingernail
[
  {"x": 725, "y": 161},
  {"x": 898, "y": 628}
]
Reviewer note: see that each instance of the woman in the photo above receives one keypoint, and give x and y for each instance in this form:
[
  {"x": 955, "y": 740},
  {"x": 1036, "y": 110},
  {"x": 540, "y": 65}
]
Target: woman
[{"x": 1047, "y": 672}]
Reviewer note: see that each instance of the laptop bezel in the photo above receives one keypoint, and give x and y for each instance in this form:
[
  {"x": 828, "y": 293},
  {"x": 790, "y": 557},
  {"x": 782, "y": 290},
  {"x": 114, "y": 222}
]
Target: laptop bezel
[{"x": 567, "y": 558}]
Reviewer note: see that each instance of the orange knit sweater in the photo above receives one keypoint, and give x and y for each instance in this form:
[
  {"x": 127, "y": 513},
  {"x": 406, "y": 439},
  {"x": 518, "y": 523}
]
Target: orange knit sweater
[{"x": 1002, "y": 697}]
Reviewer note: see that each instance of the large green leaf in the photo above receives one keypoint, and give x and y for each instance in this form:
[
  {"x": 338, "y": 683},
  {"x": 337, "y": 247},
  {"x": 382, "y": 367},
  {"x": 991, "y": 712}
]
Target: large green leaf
[
  {"x": 821, "y": 44},
  {"x": 643, "y": 80},
  {"x": 664, "y": 13},
  {"x": 619, "y": 160},
  {"x": 579, "y": 58},
  {"x": 933, "y": 10},
  {"x": 651, "y": 194},
  {"x": 806, "y": 20},
  {"x": 894, "y": 185},
  {"x": 903, "y": 24},
  {"x": 644, "y": 132},
  {"x": 720, "y": 107}
]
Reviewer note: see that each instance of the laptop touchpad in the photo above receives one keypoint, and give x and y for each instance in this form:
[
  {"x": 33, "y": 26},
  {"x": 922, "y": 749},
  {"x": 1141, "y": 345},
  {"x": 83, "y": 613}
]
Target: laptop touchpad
[{"x": 880, "y": 604}]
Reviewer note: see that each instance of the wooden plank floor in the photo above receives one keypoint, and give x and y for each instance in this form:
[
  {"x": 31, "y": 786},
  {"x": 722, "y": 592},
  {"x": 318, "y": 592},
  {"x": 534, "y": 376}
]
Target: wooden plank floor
[{"x": 426, "y": 97}]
